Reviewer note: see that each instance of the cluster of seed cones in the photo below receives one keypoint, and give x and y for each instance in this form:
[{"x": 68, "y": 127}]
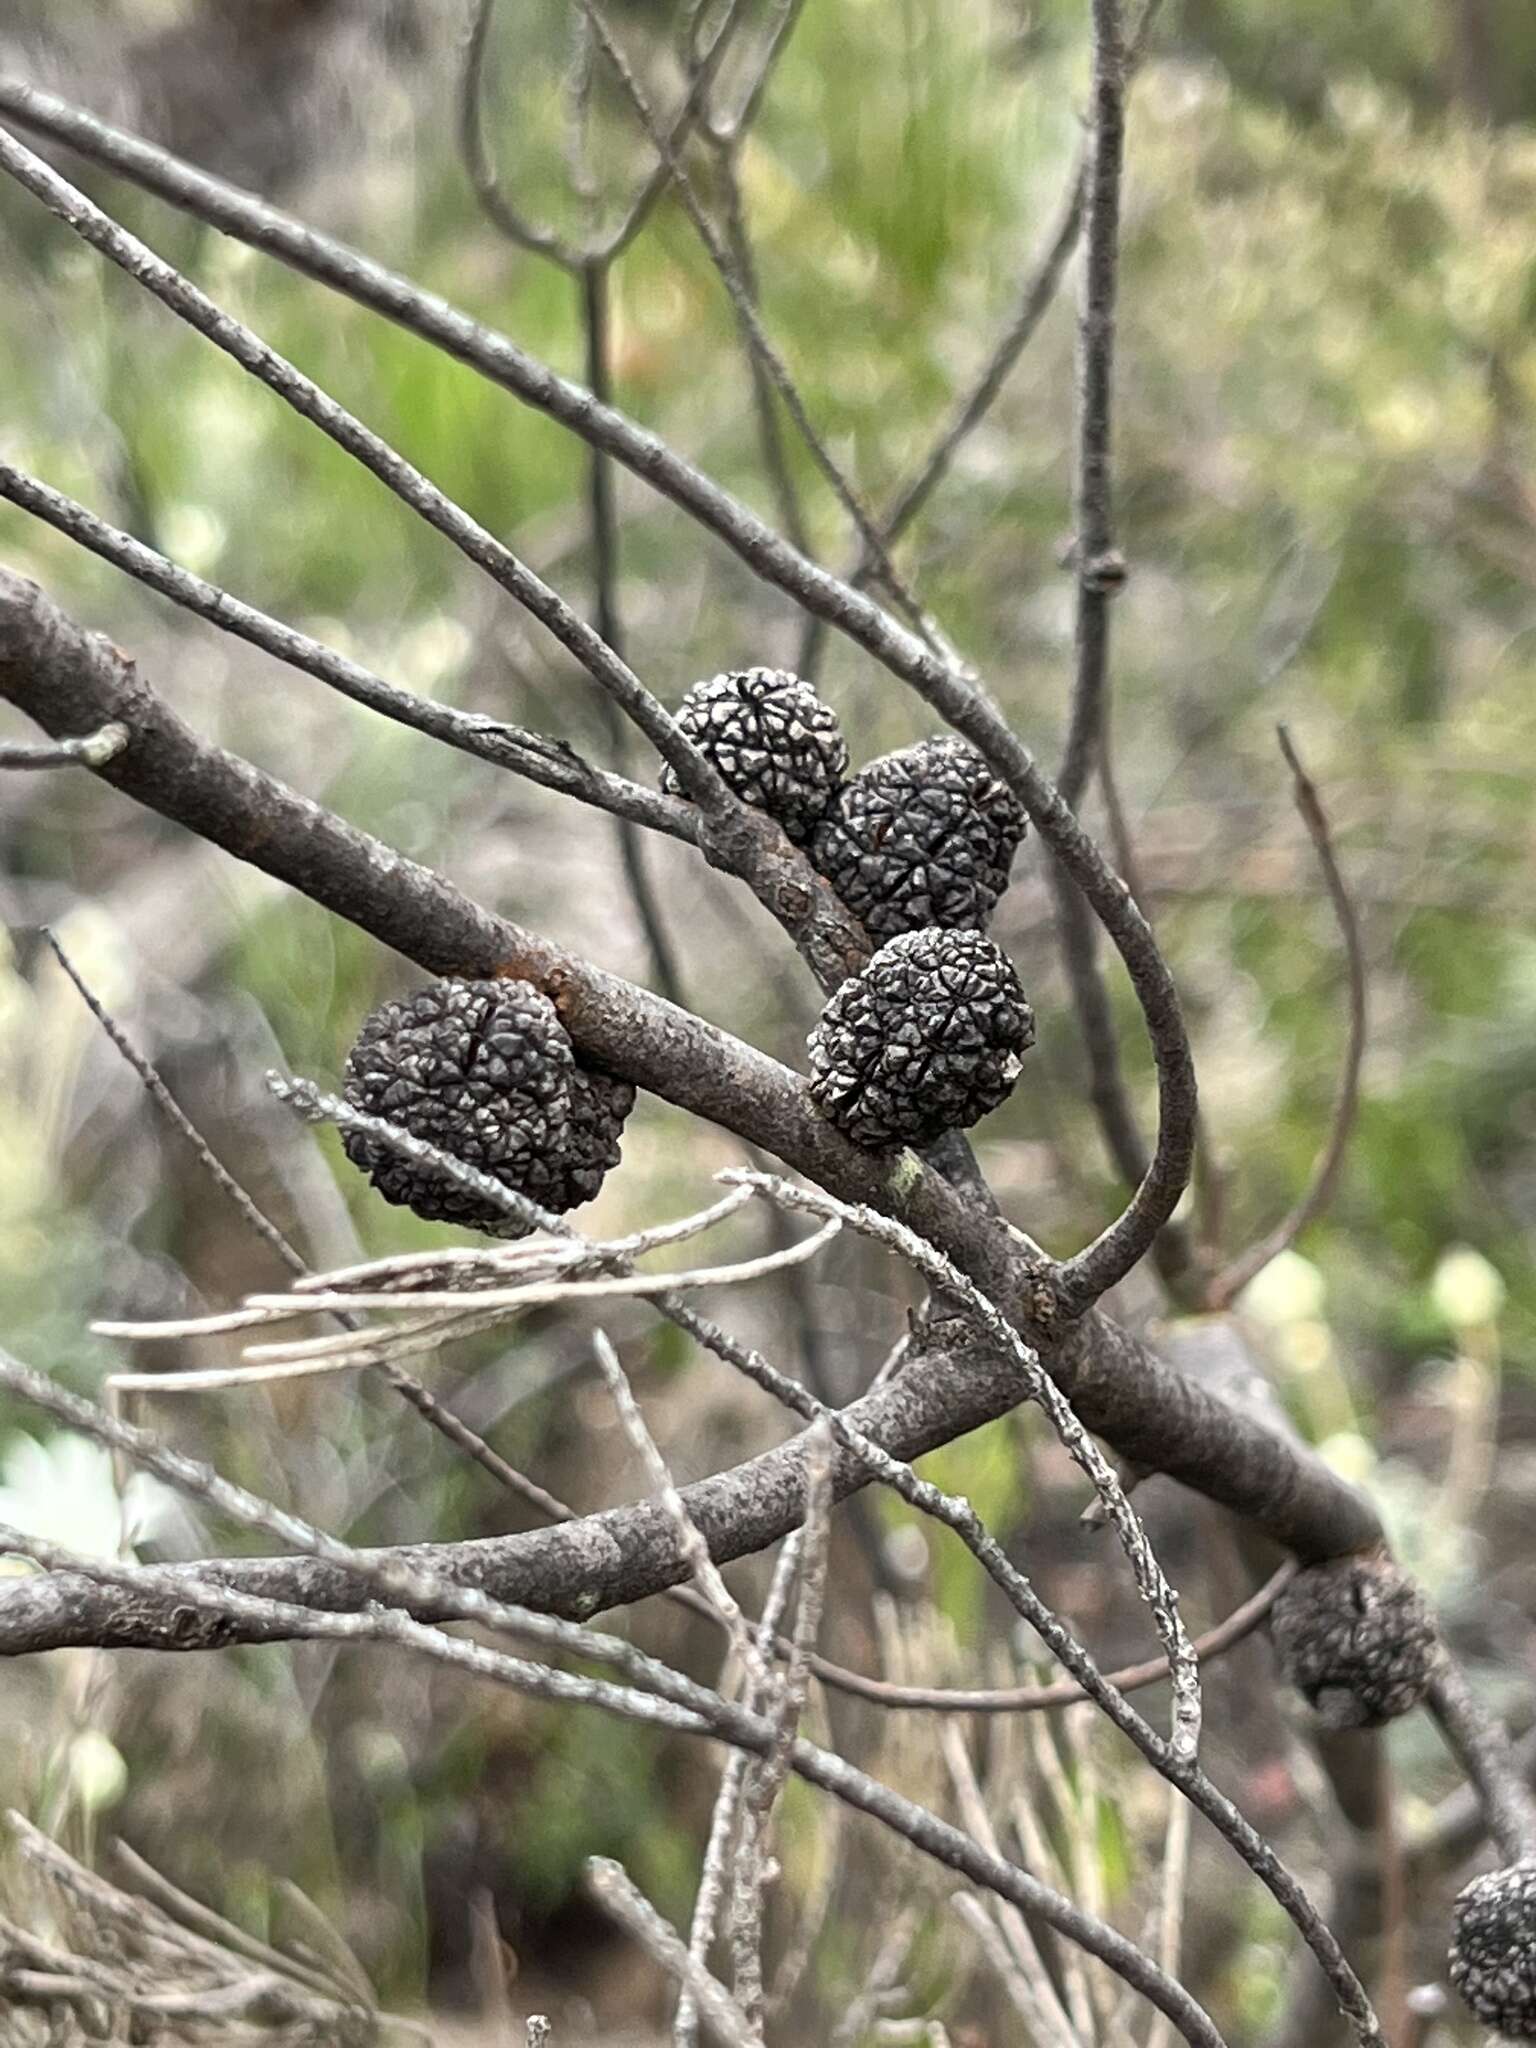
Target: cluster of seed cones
[
  {"x": 928, "y": 1038},
  {"x": 918, "y": 844}
]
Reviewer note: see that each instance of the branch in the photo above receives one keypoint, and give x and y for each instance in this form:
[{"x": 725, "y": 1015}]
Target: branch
[
  {"x": 755, "y": 336},
  {"x": 676, "y": 1703},
  {"x": 1485, "y": 1753},
  {"x": 1036, "y": 1699},
  {"x": 92, "y": 750},
  {"x": 411, "y": 1581},
  {"x": 1154, "y": 1416},
  {"x": 603, "y": 531},
  {"x": 1235, "y": 1276},
  {"x": 950, "y": 693},
  {"x": 625, "y": 1903},
  {"x": 1100, "y": 568},
  {"x": 549, "y": 763},
  {"x": 179, "y": 295}
]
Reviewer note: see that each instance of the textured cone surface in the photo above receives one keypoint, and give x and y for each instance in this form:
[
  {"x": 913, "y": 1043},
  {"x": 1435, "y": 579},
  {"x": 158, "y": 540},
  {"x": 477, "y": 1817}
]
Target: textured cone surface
[
  {"x": 1493, "y": 1954},
  {"x": 599, "y": 1106},
  {"x": 927, "y": 1039},
  {"x": 1357, "y": 1640},
  {"x": 921, "y": 837},
  {"x": 772, "y": 739},
  {"x": 484, "y": 1071}
]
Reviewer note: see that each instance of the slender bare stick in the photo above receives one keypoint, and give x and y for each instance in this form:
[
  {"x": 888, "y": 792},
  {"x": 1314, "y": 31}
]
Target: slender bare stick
[
  {"x": 765, "y": 1780},
  {"x": 943, "y": 1275},
  {"x": 1042, "y": 280},
  {"x": 1175, "y": 1759},
  {"x": 765, "y": 400},
  {"x": 1481, "y": 1747},
  {"x": 1318, "y": 1193},
  {"x": 754, "y": 333},
  {"x": 183, "y": 298},
  {"x": 677, "y": 1703},
  {"x": 1097, "y": 561},
  {"x": 1041, "y": 284},
  {"x": 595, "y": 284},
  {"x": 620, "y": 1898},
  {"x": 714, "y": 1873},
  {"x": 91, "y": 750},
  {"x": 1035, "y": 1699},
  {"x": 706, "y": 1573},
  {"x": 1018, "y": 1943},
  {"x": 480, "y": 164},
  {"x": 550, "y": 763}
]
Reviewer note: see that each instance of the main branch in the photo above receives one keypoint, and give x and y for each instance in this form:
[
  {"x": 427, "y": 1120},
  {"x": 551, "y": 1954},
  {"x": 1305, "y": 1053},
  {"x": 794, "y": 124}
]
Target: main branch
[{"x": 74, "y": 682}]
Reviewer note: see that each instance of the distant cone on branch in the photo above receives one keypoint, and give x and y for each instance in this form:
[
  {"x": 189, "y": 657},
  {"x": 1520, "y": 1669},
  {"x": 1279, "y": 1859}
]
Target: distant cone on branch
[
  {"x": 1357, "y": 1640},
  {"x": 1493, "y": 1952},
  {"x": 484, "y": 1071}
]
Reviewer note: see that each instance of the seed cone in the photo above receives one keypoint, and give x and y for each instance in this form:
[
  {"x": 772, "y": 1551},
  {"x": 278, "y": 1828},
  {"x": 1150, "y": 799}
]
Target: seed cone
[
  {"x": 927, "y": 1039},
  {"x": 1356, "y": 1639},
  {"x": 484, "y": 1071},
  {"x": 772, "y": 739},
  {"x": 925, "y": 836},
  {"x": 1493, "y": 1952},
  {"x": 599, "y": 1106}
]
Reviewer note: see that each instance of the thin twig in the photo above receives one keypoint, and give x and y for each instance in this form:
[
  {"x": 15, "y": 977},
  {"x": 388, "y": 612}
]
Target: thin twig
[
  {"x": 1035, "y": 1699},
  {"x": 536, "y": 237},
  {"x": 714, "y": 1873},
  {"x": 91, "y": 750},
  {"x": 1180, "y": 1767},
  {"x": 765, "y": 401},
  {"x": 246, "y": 1206},
  {"x": 594, "y": 281},
  {"x": 1041, "y": 284},
  {"x": 1018, "y": 1942},
  {"x": 1235, "y": 1276},
  {"x": 624, "y": 1902},
  {"x": 1483, "y": 1749},
  {"x": 677, "y": 1703},
  {"x": 180, "y": 296},
  {"x": 1027, "y": 1988},
  {"x": 479, "y": 163},
  {"x": 942, "y": 1274},
  {"x": 550, "y": 763},
  {"x": 755, "y": 1866},
  {"x": 706, "y": 1573},
  {"x": 1099, "y": 567},
  {"x": 1171, "y": 1909},
  {"x": 728, "y": 129},
  {"x": 754, "y": 334}
]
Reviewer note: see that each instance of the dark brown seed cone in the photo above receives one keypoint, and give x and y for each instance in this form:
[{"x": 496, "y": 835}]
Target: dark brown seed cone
[
  {"x": 599, "y": 1107},
  {"x": 1493, "y": 1950},
  {"x": 1356, "y": 1639},
  {"x": 484, "y": 1071},
  {"x": 772, "y": 739},
  {"x": 921, "y": 837},
  {"x": 927, "y": 1039}
]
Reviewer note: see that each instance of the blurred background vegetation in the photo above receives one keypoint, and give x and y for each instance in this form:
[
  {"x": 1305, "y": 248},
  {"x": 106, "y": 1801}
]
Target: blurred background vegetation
[{"x": 1328, "y": 374}]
